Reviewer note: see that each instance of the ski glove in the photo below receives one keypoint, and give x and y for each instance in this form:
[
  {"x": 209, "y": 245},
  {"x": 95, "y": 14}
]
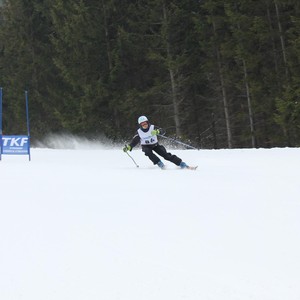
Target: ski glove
[
  {"x": 155, "y": 132},
  {"x": 127, "y": 148}
]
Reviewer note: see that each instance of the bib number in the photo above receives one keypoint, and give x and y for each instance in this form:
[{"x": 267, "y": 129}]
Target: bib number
[{"x": 151, "y": 141}]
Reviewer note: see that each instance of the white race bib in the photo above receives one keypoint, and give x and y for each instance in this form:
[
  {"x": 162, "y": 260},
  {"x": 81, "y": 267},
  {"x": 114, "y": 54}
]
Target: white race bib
[{"x": 146, "y": 137}]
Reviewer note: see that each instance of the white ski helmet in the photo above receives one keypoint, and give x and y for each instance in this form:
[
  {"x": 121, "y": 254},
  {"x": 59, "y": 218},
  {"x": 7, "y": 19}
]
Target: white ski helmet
[{"x": 142, "y": 119}]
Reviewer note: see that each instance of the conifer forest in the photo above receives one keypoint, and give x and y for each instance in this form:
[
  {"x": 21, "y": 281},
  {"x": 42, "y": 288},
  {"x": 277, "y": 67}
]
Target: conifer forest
[{"x": 215, "y": 74}]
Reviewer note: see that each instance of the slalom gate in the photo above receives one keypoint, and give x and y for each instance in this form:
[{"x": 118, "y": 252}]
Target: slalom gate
[{"x": 14, "y": 144}]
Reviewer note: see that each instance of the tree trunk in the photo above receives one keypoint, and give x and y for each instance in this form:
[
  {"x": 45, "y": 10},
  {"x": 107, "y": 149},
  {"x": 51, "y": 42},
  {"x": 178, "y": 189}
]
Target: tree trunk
[
  {"x": 249, "y": 105},
  {"x": 108, "y": 50},
  {"x": 224, "y": 94},
  {"x": 109, "y": 60},
  {"x": 174, "y": 96},
  {"x": 281, "y": 40},
  {"x": 273, "y": 42}
]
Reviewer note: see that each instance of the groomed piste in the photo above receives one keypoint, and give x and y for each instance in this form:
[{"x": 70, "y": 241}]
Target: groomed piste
[{"x": 88, "y": 224}]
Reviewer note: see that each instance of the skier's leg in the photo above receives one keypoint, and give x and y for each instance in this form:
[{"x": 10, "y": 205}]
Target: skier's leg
[
  {"x": 148, "y": 152},
  {"x": 161, "y": 150}
]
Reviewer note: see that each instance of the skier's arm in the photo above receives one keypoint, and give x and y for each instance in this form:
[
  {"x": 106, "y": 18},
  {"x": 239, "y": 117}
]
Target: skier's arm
[
  {"x": 158, "y": 131},
  {"x": 136, "y": 139}
]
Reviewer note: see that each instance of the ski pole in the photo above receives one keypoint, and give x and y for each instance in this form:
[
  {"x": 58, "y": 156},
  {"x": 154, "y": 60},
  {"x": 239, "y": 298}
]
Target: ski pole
[
  {"x": 176, "y": 141},
  {"x": 132, "y": 159}
]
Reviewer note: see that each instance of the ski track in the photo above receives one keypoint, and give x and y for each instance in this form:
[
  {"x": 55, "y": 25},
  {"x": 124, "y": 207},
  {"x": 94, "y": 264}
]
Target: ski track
[{"x": 89, "y": 224}]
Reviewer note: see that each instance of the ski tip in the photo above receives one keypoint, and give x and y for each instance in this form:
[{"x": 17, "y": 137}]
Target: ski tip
[{"x": 192, "y": 168}]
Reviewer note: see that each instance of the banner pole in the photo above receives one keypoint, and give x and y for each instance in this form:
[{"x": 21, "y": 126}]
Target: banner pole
[
  {"x": 28, "y": 127},
  {"x": 0, "y": 123}
]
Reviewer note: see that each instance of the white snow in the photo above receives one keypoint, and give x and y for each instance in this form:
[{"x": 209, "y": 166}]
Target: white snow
[{"x": 87, "y": 224}]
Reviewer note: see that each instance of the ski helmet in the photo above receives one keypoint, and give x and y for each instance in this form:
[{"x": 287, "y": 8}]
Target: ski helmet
[{"x": 142, "y": 119}]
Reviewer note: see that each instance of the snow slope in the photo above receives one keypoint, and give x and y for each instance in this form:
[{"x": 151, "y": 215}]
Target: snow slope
[{"x": 88, "y": 225}]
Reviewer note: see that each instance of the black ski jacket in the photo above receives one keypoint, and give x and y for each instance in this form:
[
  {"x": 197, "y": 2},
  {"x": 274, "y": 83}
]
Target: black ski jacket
[{"x": 136, "y": 139}]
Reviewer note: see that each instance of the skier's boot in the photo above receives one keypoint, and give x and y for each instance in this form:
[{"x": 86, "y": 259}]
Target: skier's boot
[
  {"x": 183, "y": 165},
  {"x": 161, "y": 165}
]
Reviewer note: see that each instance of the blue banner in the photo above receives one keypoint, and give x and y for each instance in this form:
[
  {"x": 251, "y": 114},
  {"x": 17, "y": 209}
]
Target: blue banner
[{"x": 15, "y": 144}]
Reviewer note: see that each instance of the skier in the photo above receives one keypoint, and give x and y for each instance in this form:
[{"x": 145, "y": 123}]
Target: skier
[{"x": 147, "y": 136}]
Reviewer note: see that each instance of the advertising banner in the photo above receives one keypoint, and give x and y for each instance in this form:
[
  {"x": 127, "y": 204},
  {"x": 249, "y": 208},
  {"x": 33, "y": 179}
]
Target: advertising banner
[{"x": 15, "y": 144}]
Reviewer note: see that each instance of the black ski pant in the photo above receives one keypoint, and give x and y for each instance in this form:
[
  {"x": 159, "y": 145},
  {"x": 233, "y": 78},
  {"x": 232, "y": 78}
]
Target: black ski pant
[{"x": 160, "y": 150}]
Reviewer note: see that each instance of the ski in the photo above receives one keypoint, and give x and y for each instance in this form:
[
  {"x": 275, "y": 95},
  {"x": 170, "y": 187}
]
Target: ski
[
  {"x": 164, "y": 167},
  {"x": 192, "y": 167}
]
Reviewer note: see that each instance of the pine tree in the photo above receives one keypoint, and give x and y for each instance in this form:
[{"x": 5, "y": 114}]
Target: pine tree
[{"x": 27, "y": 65}]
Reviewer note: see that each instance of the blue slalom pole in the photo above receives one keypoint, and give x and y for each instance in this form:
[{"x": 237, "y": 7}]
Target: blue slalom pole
[
  {"x": 28, "y": 127},
  {"x": 0, "y": 122}
]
